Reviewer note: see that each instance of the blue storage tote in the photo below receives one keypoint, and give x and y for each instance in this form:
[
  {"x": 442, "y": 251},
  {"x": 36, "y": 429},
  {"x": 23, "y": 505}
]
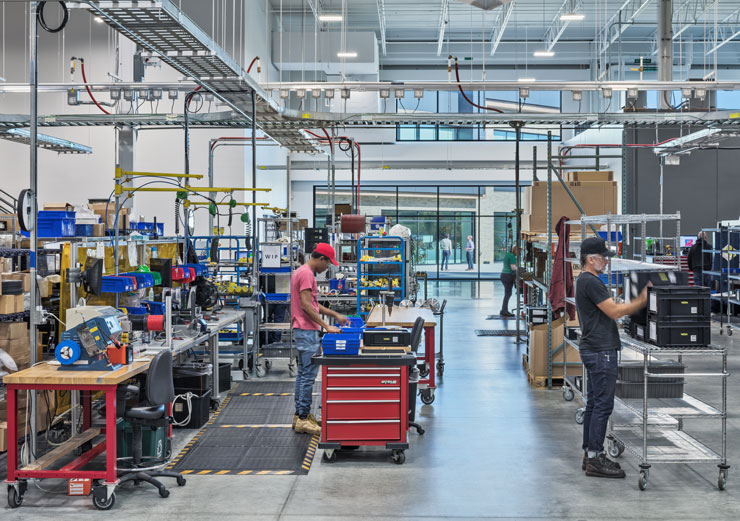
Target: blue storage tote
[
  {"x": 155, "y": 308},
  {"x": 143, "y": 280},
  {"x": 84, "y": 230},
  {"x": 341, "y": 343},
  {"x": 356, "y": 322},
  {"x": 113, "y": 284},
  {"x": 616, "y": 278},
  {"x": 55, "y": 224}
]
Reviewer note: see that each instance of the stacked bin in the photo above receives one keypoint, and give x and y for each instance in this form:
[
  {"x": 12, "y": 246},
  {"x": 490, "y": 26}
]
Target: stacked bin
[{"x": 678, "y": 316}]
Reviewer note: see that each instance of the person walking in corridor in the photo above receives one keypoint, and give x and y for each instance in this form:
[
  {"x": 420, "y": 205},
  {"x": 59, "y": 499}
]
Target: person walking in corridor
[
  {"x": 446, "y": 246},
  {"x": 469, "y": 251},
  {"x": 508, "y": 277}
]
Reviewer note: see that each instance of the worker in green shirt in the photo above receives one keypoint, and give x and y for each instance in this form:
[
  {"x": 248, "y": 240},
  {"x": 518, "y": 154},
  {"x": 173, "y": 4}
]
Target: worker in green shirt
[{"x": 508, "y": 276}]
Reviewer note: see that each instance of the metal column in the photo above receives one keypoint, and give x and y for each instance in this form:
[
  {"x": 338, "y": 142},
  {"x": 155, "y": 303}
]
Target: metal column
[
  {"x": 665, "y": 48},
  {"x": 518, "y": 238},
  {"x": 254, "y": 160},
  {"x": 548, "y": 269},
  {"x": 33, "y": 141}
]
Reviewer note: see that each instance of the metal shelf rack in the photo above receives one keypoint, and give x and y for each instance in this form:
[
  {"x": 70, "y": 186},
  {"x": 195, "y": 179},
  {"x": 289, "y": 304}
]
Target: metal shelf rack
[
  {"x": 387, "y": 247},
  {"x": 725, "y": 269}
]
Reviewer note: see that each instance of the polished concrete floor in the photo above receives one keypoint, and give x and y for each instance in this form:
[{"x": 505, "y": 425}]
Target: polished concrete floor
[{"x": 493, "y": 448}]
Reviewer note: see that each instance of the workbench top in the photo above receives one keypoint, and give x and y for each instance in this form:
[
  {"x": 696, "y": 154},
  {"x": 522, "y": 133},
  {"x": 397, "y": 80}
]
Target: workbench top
[
  {"x": 49, "y": 374},
  {"x": 404, "y": 317}
]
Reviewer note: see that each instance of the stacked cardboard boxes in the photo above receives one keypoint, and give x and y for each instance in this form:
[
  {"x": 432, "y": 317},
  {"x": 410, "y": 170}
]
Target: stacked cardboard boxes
[
  {"x": 46, "y": 406},
  {"x": 596, "y": 192},
  {"x": 537, "y": 361}
]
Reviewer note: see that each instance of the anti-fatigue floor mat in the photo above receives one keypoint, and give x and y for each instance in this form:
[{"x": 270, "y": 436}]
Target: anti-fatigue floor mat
[{"x": 251, "y": 434}]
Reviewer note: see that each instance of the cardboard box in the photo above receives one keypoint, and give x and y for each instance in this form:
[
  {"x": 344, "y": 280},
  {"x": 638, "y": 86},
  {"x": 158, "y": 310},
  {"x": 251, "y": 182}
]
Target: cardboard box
[
  {"x": 18, "y": 346},
  {"x": 590, "y": 175},
  {"x": 46, "y": 406},
  {"x": 99, "y": 230},
  {"x": 11, "y": 304},
  {"x": 23, "y": 276},
  {"x": 59, "y": 207},
  {"x": 538, "y": 351},
  {"x": 596, "y": 198},
  {"x": 341, "y": 209},
  {"x": 108, "y": 215},
  {"x": 13, "y": 331}
]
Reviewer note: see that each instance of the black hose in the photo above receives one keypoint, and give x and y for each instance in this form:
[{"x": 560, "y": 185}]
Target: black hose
[{"x": 42, "y": 22}]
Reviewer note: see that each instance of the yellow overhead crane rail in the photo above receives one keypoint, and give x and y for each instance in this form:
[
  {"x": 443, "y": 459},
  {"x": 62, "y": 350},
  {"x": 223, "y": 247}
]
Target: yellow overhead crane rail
[
  {"x": 121, "y": 173},
  {"x": 128, "y": 175},
  {"x": 205, "y": 203}
]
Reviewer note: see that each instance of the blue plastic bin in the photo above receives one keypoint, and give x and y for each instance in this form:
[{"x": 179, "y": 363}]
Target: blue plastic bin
[
  {"x": 113, "y": 284},
  {"x": 616, "y": 278},
  {"x": 341, "y": 343},
  {"x": 55, "y": 224},
  {"x": 356, "y": 322},
  {"x": 84, "y": 230},
  {"x": 155, "y": 308},
  {"x": 143, "y": 280},
  {"x": 615, "y": 236}
]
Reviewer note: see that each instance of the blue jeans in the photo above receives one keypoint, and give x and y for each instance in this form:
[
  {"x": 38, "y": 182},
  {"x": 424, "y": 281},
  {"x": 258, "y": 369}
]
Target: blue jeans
[
  {"x": 470, "y": 259},
  {"x": 602, "y": 370},
  {"x": 445, "y": 259},
  {"x": 307, "y": 343},
  {"x": 702, "y": 280}
]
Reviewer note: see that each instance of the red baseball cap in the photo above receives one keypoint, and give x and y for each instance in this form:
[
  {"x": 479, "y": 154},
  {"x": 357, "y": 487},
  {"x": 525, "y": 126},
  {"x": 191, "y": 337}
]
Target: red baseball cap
[{"x": 324, "y": 249}]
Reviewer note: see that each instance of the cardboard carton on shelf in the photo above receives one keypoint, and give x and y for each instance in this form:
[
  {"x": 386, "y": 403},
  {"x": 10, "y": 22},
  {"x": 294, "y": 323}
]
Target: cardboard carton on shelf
[
  {"x": 12, "y": 331},
  {"x": 107, "y": 213},
  {"x": 10, "y": 304},
  {"x": 538, "y": 351},
  {"x": 595, "y": 197},
  {"x": 590, "y": 175},
  {"x": 59, "y": 207},
  {"x": 23, "y": 276}
]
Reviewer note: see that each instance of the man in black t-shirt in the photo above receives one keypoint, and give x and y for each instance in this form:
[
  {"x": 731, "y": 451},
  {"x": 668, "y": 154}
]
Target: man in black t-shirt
[{"x": 597, "y": 315}]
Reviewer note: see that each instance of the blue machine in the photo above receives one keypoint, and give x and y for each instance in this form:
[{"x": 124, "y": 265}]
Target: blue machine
[{"x": 92, "y": 331}]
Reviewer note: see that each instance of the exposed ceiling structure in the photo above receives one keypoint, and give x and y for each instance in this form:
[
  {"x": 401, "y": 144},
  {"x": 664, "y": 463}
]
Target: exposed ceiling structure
[{"x": 423, "y": 32}]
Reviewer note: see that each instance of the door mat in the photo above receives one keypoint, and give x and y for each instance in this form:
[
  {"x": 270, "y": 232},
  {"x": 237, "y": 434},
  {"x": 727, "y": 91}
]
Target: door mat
[
  {"x": 250, "y": 434},
  {"x": 496, "y": 332}
]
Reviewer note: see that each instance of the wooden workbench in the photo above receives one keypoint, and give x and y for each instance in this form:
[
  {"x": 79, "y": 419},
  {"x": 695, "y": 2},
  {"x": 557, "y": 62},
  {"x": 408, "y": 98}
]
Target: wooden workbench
[
  {"x": 50, "y": 374},
  {"x": 404, "y": 317}
]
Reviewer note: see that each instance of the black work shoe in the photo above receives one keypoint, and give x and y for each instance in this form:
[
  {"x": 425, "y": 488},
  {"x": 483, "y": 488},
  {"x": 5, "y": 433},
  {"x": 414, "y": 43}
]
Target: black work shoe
[
  {"x": 585, "y": 460},
  {"x": 601, "y": 467}
]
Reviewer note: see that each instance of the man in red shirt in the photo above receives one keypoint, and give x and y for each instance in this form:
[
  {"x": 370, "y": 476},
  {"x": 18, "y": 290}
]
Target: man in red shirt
[{"x": 307, "y": 323}]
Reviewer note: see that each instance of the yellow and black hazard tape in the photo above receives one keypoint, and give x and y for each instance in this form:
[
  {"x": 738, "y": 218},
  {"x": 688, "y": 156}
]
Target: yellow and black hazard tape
[{"x": 310, "y": 453}]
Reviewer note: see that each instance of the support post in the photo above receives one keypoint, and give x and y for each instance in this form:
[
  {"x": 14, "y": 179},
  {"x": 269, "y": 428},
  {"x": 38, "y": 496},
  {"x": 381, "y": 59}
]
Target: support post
[
  {"x": 254, "y": 159},
  {"x": 518, "y": 227},
  {"x": 548, "y": 267}
]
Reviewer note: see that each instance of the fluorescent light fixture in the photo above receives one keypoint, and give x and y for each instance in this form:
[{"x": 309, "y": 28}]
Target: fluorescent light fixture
[
  {"x": 572, "y": 17},
  {"x": 347, "y": 54},
  {"x": 98, "y": 19},
  {"x": 577, "y": 95},
  {"x": 330, "y": 18},
  {"x": 543, "y": 54},
  {"x": 526, "y": 80}
]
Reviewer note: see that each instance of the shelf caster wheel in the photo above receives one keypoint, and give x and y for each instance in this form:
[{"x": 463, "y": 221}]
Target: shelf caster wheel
[
  {"x": 642, "y": 480},
  {"x": 102, "y": 502},
  {"x": 245, "y": 375},
  {"x": 722, "y": 481},
  {"x": 292, "y": 370},
  {"x": 729, "y": 331},
  {"x": 14, "y": 498},
  {"x": 181, "y": 481},
  {"x": 399, "y": 458},
  {"x": 260, "y": 371},
  {"x": 427, "y": 396},
  {"x": 721, "y": 331},
  {"x": 215, "y": 405},
  {"x": 440, "y": 369},
  {"x": 616, "y": 449},
  {"x": 580, "y": 413},
  {"x": 330, "y": 456},
  {"x": 424, "y": 371},
  {"x": 268, "y": 364},
  {"x": 567, "y": 394}
]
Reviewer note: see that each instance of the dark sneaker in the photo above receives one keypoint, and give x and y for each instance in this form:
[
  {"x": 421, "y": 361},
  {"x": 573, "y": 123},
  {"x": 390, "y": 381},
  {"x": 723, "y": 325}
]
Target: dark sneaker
[
  {"x": 601, "y": 467},
  {"x": 585, "y": 460}
]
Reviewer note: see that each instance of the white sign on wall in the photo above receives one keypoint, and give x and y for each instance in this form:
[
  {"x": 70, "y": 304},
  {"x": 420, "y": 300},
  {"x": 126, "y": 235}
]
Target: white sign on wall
[{"x": 271, "y": 256}]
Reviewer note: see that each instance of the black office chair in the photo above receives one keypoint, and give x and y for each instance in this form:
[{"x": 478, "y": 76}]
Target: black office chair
[
  {"x": 416, "y": 332},
  {"x": 160, "y": 391}
]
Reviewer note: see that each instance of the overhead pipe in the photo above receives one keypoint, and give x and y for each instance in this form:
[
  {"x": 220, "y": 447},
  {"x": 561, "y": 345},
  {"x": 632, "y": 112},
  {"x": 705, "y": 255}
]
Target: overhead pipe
[{"x": 359, "y": 160}]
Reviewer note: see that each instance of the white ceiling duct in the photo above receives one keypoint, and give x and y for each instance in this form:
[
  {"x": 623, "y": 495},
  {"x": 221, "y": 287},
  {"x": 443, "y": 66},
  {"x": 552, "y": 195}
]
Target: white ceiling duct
[{"x": 486, "y": 5}]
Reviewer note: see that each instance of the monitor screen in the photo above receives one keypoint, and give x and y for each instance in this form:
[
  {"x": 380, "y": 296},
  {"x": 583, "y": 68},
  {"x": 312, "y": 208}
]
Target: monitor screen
[{"x": 687, "y": 241}]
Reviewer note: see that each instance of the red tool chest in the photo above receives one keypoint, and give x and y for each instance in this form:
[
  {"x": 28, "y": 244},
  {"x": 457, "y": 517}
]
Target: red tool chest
[{"x": 365, "y": 401}]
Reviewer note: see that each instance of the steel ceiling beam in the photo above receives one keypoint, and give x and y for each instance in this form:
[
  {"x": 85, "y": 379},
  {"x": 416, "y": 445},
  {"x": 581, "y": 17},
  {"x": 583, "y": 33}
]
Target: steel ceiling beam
[
  {"x": 626, "y": 14},
  {"x": 444, "y": 18},
  {"x": 499, "y": 25},
  {"x": 727, "y": 33},
  {"x": 381, "y": 21},
  {"x": 558, "y": 25}
]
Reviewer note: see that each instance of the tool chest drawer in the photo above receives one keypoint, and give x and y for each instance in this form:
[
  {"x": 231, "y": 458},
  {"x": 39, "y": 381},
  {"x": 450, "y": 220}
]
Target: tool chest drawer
[
  {"x": 363, "y": 393},
  {"x": 363, "y": 409},
  {"x": 347, "y": 430},
  {"x": 364, "y": 380}
]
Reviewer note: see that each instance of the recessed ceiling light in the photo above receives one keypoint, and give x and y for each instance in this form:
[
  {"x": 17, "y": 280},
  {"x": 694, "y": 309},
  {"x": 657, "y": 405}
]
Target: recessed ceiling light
[
  {"x": 572, "y": 17},
  {"x": 543, "y": 54},
  {"x": 98, "y": 19},
  {"x": 330, "y": 18},
  {"x": 347, "y": 54}
]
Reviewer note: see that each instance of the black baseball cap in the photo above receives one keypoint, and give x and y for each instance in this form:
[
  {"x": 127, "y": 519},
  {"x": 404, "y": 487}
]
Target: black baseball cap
[{"x": 595, "y": 246}]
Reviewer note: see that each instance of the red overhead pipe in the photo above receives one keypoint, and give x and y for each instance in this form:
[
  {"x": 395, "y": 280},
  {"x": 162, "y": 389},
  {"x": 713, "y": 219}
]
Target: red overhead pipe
[
  {"x": 457, "y": 75},
  {"x": 259, "y": 65},
  {"x": 87, "y": 87}
]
